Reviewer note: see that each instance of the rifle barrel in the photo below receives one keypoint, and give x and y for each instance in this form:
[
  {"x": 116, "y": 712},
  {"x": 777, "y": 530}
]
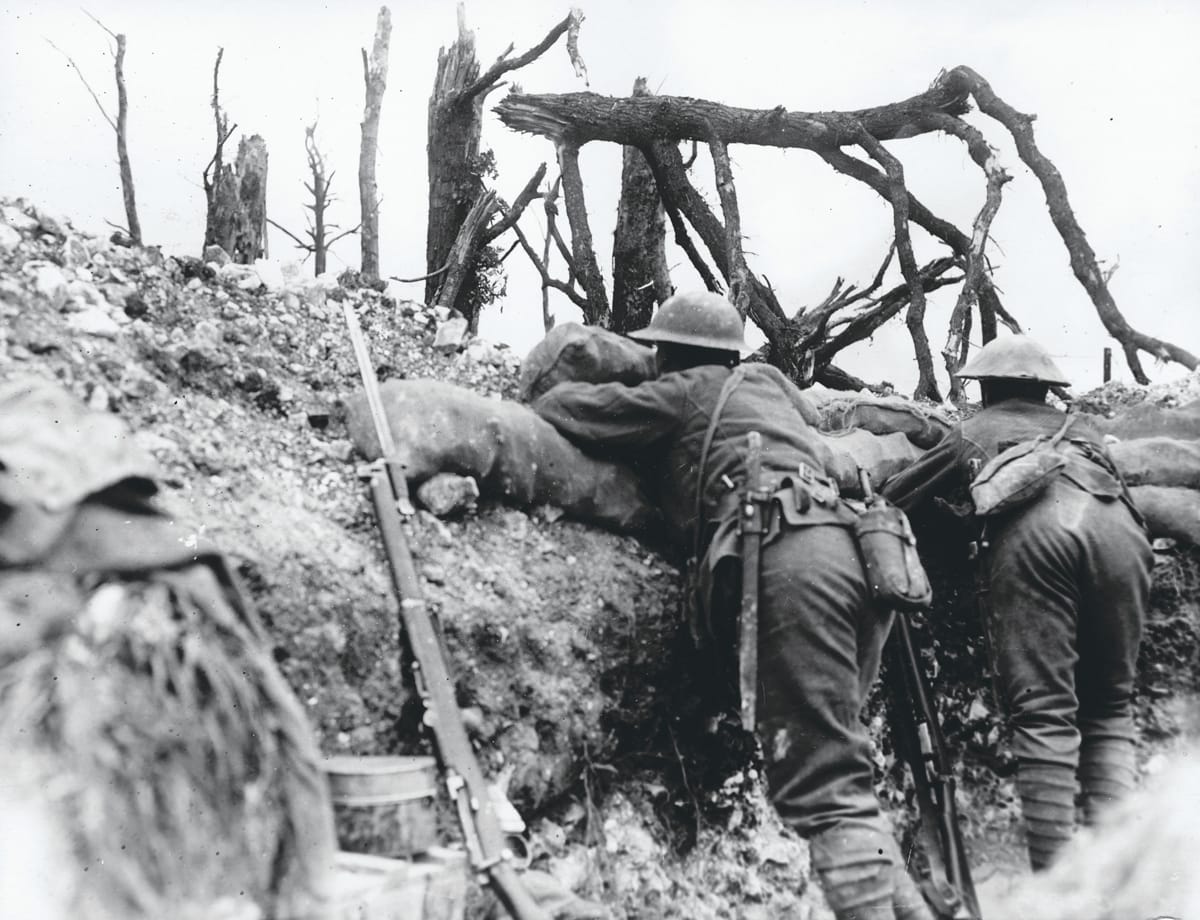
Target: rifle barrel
[{"x": 383, "y": 430}]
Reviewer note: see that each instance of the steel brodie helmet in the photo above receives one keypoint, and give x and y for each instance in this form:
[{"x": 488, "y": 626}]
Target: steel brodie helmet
[
  {"x": 699, "y": 318},
  {"x": 1014, "y": 357}
]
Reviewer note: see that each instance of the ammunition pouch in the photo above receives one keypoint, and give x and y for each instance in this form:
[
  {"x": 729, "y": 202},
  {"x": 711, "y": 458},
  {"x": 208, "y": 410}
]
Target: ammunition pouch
[{"x": 889, "y": 553}]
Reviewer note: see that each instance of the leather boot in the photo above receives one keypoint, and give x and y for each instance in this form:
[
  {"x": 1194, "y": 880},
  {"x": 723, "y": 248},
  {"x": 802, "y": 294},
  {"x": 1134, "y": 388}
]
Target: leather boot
[
  {"x": 1048, "y": 805},
  {"x": 1107, "y": 773},
  {"x": 855, "y": 866}
]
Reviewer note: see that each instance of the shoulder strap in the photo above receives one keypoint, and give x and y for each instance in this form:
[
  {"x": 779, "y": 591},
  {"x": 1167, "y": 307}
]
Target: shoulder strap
[
  {"x": 1061, "y": 433},
  {"x": 731, "y": 383}
]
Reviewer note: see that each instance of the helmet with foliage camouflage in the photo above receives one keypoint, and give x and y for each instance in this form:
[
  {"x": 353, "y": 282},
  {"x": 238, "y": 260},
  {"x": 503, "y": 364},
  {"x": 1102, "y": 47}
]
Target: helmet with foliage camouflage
[
  {"x": 698, "y": 318},
  {"x": 1014, "y": 357}
]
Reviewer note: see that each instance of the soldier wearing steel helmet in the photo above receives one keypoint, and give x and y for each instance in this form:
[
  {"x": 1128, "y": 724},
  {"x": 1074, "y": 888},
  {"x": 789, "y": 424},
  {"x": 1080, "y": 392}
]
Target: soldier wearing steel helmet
[
  {"x": 1066, "y": 576},
  {"x": 820, "y": 636}
]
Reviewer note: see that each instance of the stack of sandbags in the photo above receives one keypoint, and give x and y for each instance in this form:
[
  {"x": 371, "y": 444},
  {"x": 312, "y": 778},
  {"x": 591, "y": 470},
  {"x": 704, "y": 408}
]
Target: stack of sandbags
[
  {"x": 587, "y": 354},
  {"x": 875, "y": 433},
  {"x": 1157, "y": 451},
  {"x": 511, "y": 452}
]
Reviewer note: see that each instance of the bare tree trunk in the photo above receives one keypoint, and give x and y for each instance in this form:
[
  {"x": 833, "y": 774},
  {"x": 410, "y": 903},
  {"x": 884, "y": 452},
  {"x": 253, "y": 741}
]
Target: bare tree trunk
[
  {"x": 131, "y": 216},
  {"x": 584, "y": 117},
  {"x": 375, "y": 78},
  {"x": 583, "y": 254},
  {"x": 455, "y": 175},
  {"x": 456, "y": 166},
  {"x": 251, "y": 170},
  {"x": 640, "y": 277},
  {"x": 120, "y": 126}
]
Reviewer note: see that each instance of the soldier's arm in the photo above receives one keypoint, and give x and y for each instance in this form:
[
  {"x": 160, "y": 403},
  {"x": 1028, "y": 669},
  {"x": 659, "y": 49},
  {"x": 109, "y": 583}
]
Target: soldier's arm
[
  {"x": 934, "y": 473},
  {"x": 613, "y": 415}
]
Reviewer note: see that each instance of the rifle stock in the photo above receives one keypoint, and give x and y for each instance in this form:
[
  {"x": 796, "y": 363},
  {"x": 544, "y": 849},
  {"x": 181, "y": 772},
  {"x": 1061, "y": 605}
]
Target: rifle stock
[
  {"x": 461, "y": 771},
  {"x": 918, "y": 738}
]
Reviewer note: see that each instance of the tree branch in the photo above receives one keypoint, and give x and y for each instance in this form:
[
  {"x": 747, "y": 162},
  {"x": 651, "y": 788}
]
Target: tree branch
[
  {"x": 927, "y": 387},
  {"x": 581, "y": 236},
  {"x": 1082, "y": 256},
  {"x": 432, "y": 274},
  {"x": 574, "y": 296},
  {"x": 308, "y": 247},
  {"x": 955, "y": 351},
  {"x": 583, "y": 117},
  {"x": 96, "y": 99},
  {"x": 517, "y": 208},
  {"x": 739, "y": 274},
  {"x": 504, "y": 63},
  {"x": 943, "y": 230}
]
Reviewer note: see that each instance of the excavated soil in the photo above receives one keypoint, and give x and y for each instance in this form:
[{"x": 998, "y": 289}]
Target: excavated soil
[{"x": 567, "y": 642}]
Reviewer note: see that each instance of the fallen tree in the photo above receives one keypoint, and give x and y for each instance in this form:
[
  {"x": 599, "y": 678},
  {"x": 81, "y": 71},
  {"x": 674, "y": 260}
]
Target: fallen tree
[{"x": 802, "y": 341}]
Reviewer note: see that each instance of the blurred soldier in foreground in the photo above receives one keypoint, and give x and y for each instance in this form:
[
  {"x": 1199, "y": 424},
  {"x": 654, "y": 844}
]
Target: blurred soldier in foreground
[
  {"x": 820, "y": 636},
  {"x": 154, "y": 756},
  {"x": 1064, "y": 577}
]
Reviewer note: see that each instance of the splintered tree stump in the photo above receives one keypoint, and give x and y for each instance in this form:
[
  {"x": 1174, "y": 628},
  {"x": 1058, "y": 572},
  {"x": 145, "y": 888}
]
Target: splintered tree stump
[
  {"x": 455, "y": 179},
  {"x": 640, "y": 277},
  {"x": 238, "y": 211}
]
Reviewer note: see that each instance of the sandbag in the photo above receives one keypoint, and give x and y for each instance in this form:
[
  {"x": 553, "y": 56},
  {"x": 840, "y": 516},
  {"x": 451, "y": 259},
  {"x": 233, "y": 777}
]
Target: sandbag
[
  {"x": 1149, "y": 421},
  {"x": 587, "y": 354},
  {"x": 1170, "y": 512},
  {"x": 923, "y": 426},
  {"x": 1158, "y": 462},
  {"x": 512, "y": 452},
  {"x": 880, "y": 455}
]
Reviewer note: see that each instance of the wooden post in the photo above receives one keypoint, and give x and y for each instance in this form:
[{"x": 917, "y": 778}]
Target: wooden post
[{"x": 1107, "y": 364}]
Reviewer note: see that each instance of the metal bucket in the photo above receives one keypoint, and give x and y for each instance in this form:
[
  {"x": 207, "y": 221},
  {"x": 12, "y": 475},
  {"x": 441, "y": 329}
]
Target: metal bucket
[{"x": 384, "y": 805}]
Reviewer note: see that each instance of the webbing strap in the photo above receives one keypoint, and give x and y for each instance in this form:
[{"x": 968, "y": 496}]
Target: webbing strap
[{"x": 731, "y": 383}]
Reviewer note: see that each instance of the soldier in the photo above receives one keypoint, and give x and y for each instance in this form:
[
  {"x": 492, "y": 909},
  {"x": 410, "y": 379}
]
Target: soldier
[
  {"x": 820, "y": 635},
  {"x": 1066, "y": 577}
]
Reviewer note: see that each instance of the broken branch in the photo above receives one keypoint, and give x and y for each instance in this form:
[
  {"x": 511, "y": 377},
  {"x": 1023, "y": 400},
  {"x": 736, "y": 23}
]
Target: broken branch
[
  {"x": 504, "y": 64},
  {"x": 927, "y": 387},
  {"x": 517, "y": 208},
  {"x": 582, "y": 251},
  {"x": 583, "y": 117},
  {"x": 739, "y": 280},
  {"x": 1082, "y": 256}
]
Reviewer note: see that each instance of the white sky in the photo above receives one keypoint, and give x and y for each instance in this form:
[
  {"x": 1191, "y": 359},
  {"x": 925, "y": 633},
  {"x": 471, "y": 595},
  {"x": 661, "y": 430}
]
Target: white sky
[{"x": 1116, "y": 87}]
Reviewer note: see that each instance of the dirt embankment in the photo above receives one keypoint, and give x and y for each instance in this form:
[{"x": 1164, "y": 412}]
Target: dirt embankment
[{"x": 566, "y": 640}]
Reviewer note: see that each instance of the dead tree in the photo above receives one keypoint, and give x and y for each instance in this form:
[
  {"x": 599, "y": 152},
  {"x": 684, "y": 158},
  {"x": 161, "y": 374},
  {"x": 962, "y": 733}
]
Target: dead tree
[
  {"x": 804, "y": 342},
  {"x": 458, "y": 167},
  {"x": 375, "y": 77},
  {"x": 640, "y": 277},
  {"x": 319, "y": 241},
  {"x": 236, "y": 194},
  {"x": 120, "y": 126}
]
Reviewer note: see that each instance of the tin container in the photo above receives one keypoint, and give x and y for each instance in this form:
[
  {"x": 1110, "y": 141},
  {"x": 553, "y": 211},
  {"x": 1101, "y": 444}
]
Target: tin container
[{"x": 384, "y": 805}]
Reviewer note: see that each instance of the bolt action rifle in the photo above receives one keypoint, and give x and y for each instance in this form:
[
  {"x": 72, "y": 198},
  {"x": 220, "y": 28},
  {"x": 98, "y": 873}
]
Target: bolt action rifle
[
  {"x": 435, "y": 686},
  {"x": 917, "y": 736}
]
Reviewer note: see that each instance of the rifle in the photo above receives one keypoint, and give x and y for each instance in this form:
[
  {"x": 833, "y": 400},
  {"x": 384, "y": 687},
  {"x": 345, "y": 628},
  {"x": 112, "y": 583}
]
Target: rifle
[
  {"x": 918, "y": 739},
  {"x": 461, "y": 772}
]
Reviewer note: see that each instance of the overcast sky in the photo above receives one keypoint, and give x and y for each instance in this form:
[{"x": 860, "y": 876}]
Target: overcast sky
[{"x": 1115, "y": 86}]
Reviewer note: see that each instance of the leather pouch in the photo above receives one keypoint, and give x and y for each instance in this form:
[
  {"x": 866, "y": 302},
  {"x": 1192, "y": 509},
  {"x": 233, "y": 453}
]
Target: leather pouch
[{"x": 889, "y": 553}]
